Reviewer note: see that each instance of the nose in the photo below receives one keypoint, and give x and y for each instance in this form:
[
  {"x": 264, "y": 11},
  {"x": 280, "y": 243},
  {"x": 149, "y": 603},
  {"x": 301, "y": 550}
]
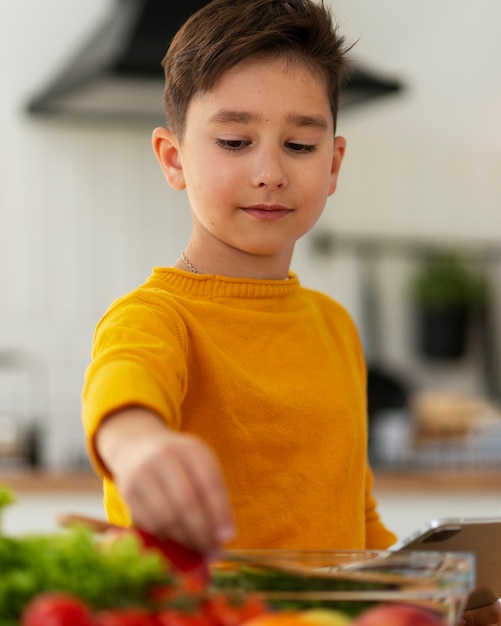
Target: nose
[{"x": 270, "y": 171}]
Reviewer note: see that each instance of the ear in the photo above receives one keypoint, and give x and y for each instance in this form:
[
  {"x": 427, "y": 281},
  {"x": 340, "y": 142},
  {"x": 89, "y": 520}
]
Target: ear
[
  {"x": 337, "y": 159},
  {"x": 166, "y": 147}
]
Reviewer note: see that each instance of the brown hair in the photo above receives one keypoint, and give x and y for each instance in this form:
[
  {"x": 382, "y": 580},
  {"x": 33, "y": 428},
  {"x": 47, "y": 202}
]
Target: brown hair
[{"x": 226, "y": 32}]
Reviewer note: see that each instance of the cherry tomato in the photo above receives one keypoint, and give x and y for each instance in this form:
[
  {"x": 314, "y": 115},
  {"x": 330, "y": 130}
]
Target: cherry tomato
[
  {"x": 231, "y": 609},
  {"x": 56, "y": 609},
  {"x": 125, "y": 617}
]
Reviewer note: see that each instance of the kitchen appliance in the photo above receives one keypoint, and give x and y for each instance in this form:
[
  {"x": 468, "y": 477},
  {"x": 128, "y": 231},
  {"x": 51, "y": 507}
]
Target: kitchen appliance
[{"x": 117, "y": 74}]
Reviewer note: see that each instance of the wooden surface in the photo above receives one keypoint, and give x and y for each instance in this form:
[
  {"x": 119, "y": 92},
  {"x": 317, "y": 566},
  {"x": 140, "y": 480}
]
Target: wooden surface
[
  {"x": 435, "y": 481},
  {"x": 45, "y": 481},
  {"x": 446, "y": 481}
]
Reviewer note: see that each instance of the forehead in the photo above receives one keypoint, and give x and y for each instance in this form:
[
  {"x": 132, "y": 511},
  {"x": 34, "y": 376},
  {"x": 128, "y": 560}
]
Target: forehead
[
  {"x": 269, "y": 82},
  {"x": 283, "y": 63}
]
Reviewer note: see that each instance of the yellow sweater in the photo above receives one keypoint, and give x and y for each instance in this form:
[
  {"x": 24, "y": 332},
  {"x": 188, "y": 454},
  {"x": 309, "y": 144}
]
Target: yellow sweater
[{"x": 271, "y": 375}]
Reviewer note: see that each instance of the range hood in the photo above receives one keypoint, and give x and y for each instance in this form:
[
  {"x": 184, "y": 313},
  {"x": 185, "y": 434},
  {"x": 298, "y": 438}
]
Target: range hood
[{"x": 117, "y": 74}]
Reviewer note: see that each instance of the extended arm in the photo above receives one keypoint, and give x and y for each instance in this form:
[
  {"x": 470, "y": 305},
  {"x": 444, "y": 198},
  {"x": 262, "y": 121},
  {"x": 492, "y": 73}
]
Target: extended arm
[{"x": 170, "y": 481}]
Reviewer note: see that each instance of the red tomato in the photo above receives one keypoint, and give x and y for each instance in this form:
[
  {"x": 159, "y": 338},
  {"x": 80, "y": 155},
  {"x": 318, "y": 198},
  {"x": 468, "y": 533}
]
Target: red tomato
[
  {"x": 125, "y": 617},
  {"x": 56, "y": 609},
  {"x": 176, "y": 617},
  {"x": 226, "y": 609},
  {"x": 181, "y": 557}
]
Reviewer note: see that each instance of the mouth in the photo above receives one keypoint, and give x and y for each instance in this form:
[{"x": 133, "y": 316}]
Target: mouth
[{"x": 267, "y": 212}]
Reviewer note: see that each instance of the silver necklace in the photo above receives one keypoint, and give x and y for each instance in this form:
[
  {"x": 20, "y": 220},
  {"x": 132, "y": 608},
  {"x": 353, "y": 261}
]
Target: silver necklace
[{"x": 188, "y": 263}]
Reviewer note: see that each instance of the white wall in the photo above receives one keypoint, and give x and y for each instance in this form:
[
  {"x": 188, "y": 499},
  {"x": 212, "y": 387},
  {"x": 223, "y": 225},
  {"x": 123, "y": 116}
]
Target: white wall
[
  {"x": 85, "y": 212},
  {"x": 424, "y": 164}
]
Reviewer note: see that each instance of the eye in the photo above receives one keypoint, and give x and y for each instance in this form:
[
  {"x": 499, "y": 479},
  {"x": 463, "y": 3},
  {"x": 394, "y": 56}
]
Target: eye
[
  {"x": 233, "y": 144},
  {"x": 301, "y": 148}
]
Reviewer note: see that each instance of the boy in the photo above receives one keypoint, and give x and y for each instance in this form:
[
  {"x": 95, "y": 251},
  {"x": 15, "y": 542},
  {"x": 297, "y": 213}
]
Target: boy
[{"x": 225, "y": 403}]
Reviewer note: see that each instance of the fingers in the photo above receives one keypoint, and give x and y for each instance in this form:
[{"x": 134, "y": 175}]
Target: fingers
[
  {"x": 179, "y": 492},
  {"x": 213, "y": 494}
]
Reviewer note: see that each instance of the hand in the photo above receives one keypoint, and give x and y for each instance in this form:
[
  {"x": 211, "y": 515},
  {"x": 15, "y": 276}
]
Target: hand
[
  {"x": 489, "y": 615},
  {"x": 171, "y": 481}
]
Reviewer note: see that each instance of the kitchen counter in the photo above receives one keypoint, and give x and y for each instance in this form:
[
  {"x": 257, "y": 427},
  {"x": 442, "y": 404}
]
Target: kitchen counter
[
  {"x": 434, "y": 481},
  {"x": 51, "y": 481},
  {"x": 42, "y": 496},
  {"x": 385, "y": 480},
  {"x": 407, "y": 499}
]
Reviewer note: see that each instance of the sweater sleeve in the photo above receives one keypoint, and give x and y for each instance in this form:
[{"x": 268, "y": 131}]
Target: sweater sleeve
[
  {"x": 377, "y": 536},
  {"x": 138, "y": 360}
]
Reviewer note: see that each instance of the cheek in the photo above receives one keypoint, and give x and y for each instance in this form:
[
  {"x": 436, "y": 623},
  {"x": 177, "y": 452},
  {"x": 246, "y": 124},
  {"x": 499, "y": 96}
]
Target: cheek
[
  {"x": 327, "y": 182},
  {"x": 220, "y": 179},
  {"x": 209, "y": 173},
  {"x": 197, "y": 176},
  {"x": 320, "y": 185}
]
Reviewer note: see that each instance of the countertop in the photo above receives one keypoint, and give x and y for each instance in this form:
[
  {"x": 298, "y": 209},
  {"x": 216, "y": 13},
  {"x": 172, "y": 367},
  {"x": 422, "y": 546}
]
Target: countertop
[
  {"x": 51, "y": 481},
  {"x": 385, "y": 480},
  {"x": 438, "y": 480}
]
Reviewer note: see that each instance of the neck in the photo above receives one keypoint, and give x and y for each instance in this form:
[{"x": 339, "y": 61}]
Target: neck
[{"x": 239, "y": 266}]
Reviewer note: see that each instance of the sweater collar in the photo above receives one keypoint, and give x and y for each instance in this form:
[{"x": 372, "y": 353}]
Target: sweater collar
[{"x": 216, "y": 286}]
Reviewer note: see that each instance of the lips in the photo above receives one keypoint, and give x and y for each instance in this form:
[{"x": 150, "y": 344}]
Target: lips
[{"x": 267, "y": 212}]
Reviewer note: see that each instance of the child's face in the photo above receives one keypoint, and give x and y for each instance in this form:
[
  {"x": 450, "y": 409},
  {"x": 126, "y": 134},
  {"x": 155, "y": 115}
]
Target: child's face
[{"x": 258, "y": 158}]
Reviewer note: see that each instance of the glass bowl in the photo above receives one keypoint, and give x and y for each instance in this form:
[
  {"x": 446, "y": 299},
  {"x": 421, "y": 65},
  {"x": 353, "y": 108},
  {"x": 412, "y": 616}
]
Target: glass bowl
[{"x": 351, "y": 581}]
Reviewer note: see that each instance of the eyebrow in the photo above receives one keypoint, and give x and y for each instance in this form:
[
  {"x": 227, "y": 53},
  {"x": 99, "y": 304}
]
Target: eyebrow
[
  {"x": 228, "y": 116},
  {"x": 315, "y": 121}
]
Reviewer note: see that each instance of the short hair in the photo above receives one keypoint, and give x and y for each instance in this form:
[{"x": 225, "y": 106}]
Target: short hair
[{"x": 225, "y": 32}]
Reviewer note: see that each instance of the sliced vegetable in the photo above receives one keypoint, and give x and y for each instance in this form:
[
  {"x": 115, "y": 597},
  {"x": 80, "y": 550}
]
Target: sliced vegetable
[{"x": 183, "y": 558}]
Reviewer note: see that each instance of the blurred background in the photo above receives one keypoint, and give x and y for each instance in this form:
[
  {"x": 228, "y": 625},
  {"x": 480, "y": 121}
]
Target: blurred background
[{"x": 85, "y": 214}]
